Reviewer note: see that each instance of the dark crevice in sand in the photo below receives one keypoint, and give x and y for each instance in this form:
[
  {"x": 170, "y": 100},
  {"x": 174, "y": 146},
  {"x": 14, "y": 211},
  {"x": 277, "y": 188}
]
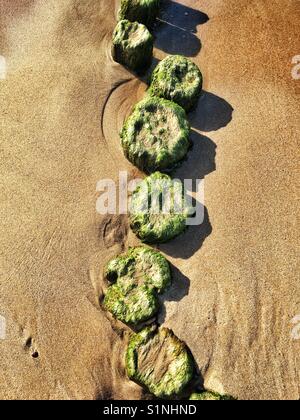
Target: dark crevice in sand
[
  {"x": 28, "y": 343},
  {"x": 30, "y": 347}
]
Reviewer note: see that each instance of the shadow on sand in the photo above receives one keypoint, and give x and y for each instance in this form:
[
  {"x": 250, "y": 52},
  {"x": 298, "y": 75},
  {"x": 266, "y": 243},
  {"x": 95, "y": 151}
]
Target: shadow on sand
[
  {"x": 211, "y": 114},
  {"x": 187, "y": 244},
  {"x": 179, "y": 289},
  {"x": 176, "y": 29}
]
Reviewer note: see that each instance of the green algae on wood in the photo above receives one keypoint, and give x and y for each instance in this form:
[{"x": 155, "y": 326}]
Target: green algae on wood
[
  {"x": 136, "y": 279},
  {"x": 155, "y": 137},
  {"x": 132, "y": 45},
  {"x": 143, "y": 11},
  {"x": 158, "y": 209},
  {"x": 159, "y": 361},
  {"x": 177, "y": 79}
]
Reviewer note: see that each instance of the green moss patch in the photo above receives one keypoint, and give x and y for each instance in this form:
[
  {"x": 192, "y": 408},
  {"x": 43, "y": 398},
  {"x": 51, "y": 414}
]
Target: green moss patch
[
  {"x": 159, "y": 361},
  {"x": 158, "y": 209},
  {"x": 177, "y": 79},
  {"x": 136, "y": 279},
  {"x": 156, "y": 135},
  {"x": 132, "y": 45},
  {"x": 143, "y": 11}
]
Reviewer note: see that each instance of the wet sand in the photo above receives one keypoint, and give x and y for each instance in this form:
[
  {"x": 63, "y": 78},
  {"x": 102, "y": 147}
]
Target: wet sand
[{"x": 236, "y": 288}]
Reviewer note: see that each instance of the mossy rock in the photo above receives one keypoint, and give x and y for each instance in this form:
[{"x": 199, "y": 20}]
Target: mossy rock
[
  {"x": 210, "y": 396},
  {"x": 156, "y": 135},
  {"x": 159, "y": 361},
  {"x": 134, "y": 307},
  {"x": 136, "y": 278},
  {"x": 177, "y": 79},
  {"x": 158, "y": 209},
  {"x": 139, "y": 266},
  {"x": 143, "y": 11},
  {"x": 132, "y": 45}
]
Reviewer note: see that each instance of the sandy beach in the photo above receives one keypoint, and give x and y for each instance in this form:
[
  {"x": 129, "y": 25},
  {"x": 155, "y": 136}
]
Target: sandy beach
[{"x": 236, "y": 277}]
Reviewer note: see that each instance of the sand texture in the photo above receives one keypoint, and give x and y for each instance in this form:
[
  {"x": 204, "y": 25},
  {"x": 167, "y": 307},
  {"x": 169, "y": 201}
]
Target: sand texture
[{"x": 236, "y": 277}]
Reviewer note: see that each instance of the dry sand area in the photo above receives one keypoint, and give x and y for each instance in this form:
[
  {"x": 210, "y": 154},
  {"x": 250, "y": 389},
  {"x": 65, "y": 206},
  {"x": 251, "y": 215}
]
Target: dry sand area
[{"x": 236, "y": 286}]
